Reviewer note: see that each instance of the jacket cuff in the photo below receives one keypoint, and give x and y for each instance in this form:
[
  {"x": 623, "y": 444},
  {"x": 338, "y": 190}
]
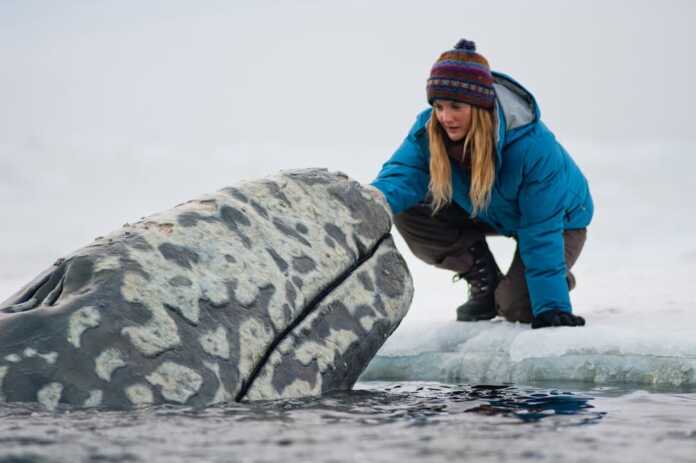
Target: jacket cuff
[{"x": 548, "y": 292}]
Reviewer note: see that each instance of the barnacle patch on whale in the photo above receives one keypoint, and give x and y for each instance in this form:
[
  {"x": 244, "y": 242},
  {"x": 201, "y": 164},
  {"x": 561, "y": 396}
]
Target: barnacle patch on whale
[
  {"x": 140, "y": 394},
  {"x": 216, "y": 343},
  {"x": 94, "y": 399},
  {"x": 107, "y": 362},
  {"x": 177, "y": 382},
  {"x": 80, "y": 321},
  {"x": 50, "y": 395}
]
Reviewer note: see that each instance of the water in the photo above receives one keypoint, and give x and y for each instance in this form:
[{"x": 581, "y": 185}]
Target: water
[{"x": 377, "y": 422}]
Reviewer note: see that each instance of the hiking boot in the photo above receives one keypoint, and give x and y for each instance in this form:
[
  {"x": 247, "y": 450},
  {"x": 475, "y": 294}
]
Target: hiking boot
[{"x": 483, "y": 277}]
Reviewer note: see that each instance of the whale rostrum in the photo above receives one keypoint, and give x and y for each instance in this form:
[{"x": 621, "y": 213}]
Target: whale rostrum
[{"x": 274, "y": 288}]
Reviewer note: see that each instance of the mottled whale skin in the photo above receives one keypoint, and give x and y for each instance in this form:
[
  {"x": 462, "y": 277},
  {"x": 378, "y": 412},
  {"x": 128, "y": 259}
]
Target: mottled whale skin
[{"x": 274, "y": 288}]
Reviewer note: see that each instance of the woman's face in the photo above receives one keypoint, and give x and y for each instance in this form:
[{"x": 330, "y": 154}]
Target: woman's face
[{"x": 454, "y": 117}]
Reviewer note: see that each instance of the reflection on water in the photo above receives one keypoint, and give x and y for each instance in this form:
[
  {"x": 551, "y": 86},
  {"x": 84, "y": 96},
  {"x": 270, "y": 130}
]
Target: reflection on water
[
  {"x": 420, "y": 404},
  {"x": 383, "y": 422},
  {"x": 534, "y": 406}
]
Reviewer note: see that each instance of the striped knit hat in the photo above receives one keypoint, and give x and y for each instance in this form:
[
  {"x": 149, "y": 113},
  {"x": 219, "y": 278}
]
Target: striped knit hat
[{"x": 462, "y": 75}]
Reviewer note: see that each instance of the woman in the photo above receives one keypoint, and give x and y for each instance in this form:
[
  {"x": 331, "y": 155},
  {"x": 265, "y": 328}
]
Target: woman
[{"x": 480, "y": 162}]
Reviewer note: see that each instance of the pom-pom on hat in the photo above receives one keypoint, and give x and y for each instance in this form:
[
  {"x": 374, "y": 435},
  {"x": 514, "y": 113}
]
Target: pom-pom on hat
[{"x": 462, "y": 75}]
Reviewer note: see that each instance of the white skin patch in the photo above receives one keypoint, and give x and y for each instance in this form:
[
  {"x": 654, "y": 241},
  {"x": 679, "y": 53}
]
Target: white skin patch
[
  {"x": 158, "y": 291},
  {"x": 139, "y": 394},
  {"x": 49, "y": 357},
  {"x": 367, "y": 322},
  {"x": 301, "y": 388},
  {"x": 338, "y": 341},
  {"x": 298, "y": 388},
  {"x": 107, "y": 263},
  {"x": 246, "y": 292},
  {"x": 253, "y": 339},
  {"x": 49, "y": 395},
  {"x": 94, "y": 400},
  {"x": 206, "y": 205},
  {"x": 178, "y": 383},
  {"x": 214, "y": 291},
  {"x": 107, "y": 362},
  {"x": 158, "y": 334},
  {"x": 216, "y": 343},
  {"x": 81, "y": 321},
  {"x": 3, "y": 372}
]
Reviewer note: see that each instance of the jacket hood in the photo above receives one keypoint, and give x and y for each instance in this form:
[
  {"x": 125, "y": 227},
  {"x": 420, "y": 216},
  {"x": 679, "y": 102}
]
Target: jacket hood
[{"x": 516, "y": 110}]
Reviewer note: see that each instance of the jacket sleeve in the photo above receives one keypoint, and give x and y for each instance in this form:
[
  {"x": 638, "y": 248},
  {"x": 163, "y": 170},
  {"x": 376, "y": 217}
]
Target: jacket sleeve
[
  {"x": 405, "y": 176},
  {"x": 540, "y": 236}
]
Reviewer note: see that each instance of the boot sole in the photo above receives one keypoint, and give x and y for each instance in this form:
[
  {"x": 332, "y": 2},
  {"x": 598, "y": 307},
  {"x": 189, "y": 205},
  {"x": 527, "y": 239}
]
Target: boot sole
[{"x": 476, "y": 318}]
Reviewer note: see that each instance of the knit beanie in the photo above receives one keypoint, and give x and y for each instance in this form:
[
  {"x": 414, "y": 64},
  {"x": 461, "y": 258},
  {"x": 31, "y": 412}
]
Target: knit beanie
[{"x": 462, "y": 75}]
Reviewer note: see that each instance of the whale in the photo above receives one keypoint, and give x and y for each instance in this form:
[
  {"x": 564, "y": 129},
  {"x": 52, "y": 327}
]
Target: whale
[{"x": 272, "y": 288}]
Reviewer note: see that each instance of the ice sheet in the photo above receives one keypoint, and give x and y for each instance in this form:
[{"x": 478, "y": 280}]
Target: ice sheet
[{"x": 612, "y": 349}]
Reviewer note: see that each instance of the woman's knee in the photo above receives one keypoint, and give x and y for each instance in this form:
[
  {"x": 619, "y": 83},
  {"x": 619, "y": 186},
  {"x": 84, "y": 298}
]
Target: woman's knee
[
  {"x": 574, "y": 241},
  {"x": 438, "y": 239}
]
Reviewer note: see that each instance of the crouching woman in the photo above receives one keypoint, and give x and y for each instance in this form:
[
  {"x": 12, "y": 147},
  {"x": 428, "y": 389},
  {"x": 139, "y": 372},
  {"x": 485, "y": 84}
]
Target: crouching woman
[{"x": 480, "y": 162}]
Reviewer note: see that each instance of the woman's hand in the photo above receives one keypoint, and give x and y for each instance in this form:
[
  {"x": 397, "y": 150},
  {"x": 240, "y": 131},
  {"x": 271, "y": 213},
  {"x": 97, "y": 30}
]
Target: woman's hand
[
  {"x": 374, "y": 192},
  {"x": 378, "y": 196},
  {"x": 555, "y": 317}
]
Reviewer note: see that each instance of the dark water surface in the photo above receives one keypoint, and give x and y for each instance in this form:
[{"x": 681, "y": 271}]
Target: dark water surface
[{"x": 378, "y": 422}]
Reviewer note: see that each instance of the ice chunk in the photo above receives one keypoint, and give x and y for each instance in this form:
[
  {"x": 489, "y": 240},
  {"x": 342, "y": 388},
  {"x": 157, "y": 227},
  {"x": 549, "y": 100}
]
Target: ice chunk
[{"x": 612, "y": 349}]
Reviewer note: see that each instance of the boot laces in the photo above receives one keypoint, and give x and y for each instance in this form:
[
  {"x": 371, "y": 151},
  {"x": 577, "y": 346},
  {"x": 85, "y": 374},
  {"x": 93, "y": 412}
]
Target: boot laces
[{"x": 476, "y": 278}]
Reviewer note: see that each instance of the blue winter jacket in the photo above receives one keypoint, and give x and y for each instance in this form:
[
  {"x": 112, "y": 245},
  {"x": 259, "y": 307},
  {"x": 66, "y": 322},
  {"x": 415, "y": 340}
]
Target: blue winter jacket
[{"x": 538, "y": 192}]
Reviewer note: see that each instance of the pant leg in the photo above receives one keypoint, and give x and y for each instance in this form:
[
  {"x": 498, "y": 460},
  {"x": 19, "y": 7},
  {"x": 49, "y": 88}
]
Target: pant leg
[
  {"x": 512, "y": 296},
  {"x": 443, "y": 239}
]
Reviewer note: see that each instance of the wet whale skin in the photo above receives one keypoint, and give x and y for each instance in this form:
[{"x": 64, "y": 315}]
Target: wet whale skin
[{"x": 274, "y": 288}]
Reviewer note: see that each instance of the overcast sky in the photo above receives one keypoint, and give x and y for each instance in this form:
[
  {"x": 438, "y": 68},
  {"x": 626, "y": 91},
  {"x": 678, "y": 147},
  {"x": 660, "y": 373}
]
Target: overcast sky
[
  {"x": 111, "y": 110},
  {"x": 318, "y": 72}
]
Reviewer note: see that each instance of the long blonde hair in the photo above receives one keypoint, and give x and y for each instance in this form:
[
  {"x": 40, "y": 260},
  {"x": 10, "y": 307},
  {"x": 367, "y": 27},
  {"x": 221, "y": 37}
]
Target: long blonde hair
[{"x": 479, "y": 143}]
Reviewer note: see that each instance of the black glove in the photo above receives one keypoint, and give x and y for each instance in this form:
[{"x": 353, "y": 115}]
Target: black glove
[{"x": 555, "y": 317}]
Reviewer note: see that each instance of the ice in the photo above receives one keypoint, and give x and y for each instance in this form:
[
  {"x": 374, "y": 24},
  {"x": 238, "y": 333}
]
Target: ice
[{"x": 608, "y": 351}]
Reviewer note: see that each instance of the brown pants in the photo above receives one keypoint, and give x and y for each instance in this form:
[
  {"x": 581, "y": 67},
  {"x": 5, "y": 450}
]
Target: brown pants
[{"x": 443, "y": 240}]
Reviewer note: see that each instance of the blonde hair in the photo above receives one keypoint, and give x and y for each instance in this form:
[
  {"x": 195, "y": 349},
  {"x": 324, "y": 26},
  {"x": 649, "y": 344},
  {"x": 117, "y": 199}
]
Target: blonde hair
[{"x": 479, "y": 143}]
